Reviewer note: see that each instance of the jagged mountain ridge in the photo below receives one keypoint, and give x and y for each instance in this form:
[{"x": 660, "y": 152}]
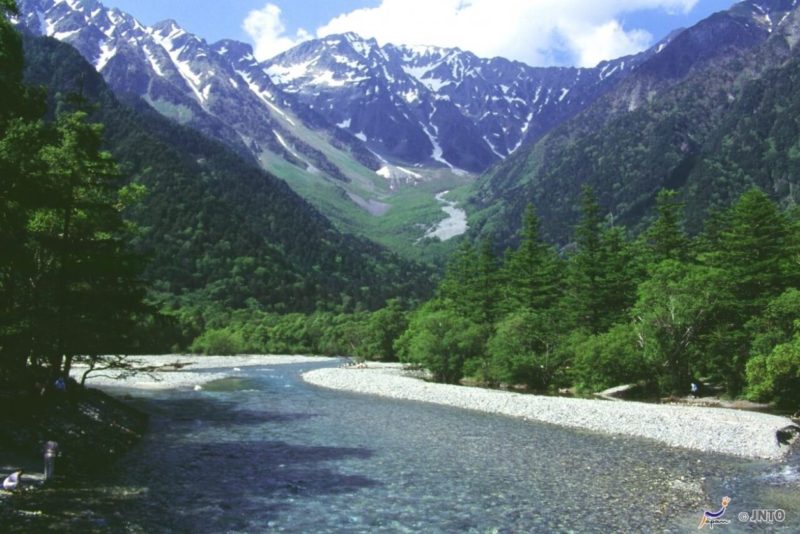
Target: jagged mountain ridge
[
  {"x": 663, "y": 126},
  {"x": 188, "y": 80},
  {"x": 424, "y": 104},
  {"x": 344, "y": 111},
  {"x": 222, "y": 91},
  {"x": 411, "y": 104}
]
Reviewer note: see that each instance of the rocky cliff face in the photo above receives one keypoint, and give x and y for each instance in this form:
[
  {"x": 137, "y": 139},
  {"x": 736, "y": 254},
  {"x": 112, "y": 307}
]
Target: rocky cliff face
[
  {"x": 217, "y": 89},
  {"x": 429, "y": 105}
]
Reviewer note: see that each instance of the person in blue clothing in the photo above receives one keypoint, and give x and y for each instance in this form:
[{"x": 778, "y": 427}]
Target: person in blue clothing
[{"x": 60, "y": 384}]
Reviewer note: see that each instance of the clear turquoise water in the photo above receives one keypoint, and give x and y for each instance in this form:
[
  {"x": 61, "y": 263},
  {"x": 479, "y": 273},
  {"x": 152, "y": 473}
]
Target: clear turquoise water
[{"x": 270, "y": 453}]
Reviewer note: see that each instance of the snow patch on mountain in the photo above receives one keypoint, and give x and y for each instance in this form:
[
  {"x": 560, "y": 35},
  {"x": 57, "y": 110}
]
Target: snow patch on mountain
[
  {"x": 107, "y": 52},
  {"x": 287, "y": 74},
  {"x": 153, "y": 61}
]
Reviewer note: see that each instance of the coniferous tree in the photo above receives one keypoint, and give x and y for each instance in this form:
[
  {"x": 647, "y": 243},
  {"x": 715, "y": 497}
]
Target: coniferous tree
[
  {"x": 531, "y": 274},
  {"x": 666, "y": 237},
  {"x": 459, "y": 275},
  {"x": 68, "y": 285},
  {"x": 584, "y": 297},
  {"x": 484, "y": 293},
  {"x": 85, "y": 282},
  {"x": 470, "y": 283},
  {"x": 754, "y": 247},
  {"x": 619, "y": 278}
]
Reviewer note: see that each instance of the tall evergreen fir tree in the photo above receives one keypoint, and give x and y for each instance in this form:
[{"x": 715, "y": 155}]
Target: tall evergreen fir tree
[
  {"x": 754, "y": 247},
  {"x": 68, "y": 284},
  {"x": 532, "y": 273},
  {"x": 666, "y": 237},
  {"x": 584, "y": 297},
  {"x": 470, "y": 283},
  {"x": 619, "y": 277},
  {"x": 84, "y": 286},
  {"x": 484, "y": 293},
  {"x": 458, "y": 276}
]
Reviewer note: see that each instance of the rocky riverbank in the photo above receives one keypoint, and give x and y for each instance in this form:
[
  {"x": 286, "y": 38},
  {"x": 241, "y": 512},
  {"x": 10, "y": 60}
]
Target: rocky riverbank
[
  {"x": 90, "y": 426},
  {"x": 93, "y": 430},
  {"x": 734, "y": 432}
]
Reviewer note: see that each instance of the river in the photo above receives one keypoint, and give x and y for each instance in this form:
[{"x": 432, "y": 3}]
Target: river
[
  {"x": 268, "y": 453},
  {"x": 454, "y": 225}
]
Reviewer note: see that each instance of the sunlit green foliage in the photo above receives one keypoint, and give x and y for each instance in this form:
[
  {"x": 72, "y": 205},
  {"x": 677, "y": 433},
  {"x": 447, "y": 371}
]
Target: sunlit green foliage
[
  {"x": 443, "y": 342},
  {"x": 524, "y": 350},
  {"x": 776, "y": 375},
  {"x": 663, "y": 311},
  {"x": 610, "y": 359}
]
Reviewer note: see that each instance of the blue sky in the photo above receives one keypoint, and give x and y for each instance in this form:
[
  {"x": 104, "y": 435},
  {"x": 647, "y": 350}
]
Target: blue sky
[{"x": 540, "y": 32}]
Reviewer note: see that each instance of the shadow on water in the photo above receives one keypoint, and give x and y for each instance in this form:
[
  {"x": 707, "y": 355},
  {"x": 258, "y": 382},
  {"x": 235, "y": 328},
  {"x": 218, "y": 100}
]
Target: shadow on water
[
  {"x": 216, "y": 448},
  {"x": 194, "y": 473},
  {"x": 257, "y": 479},
  {"x": 212, "y": 412}
]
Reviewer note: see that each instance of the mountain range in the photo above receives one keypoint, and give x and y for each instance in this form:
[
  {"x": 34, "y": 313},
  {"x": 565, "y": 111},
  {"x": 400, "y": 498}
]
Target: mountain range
[
  {"x": 410, "y": 104},
  {"x": 670, "y": 124},
  {"x": 350, "y": 125},
  {"x": 369, "y": 133}
]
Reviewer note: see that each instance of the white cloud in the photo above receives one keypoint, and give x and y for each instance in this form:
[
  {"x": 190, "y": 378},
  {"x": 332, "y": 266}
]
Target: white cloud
[
  {"x": 607, "y": 41},
  {"x": 539, "y": 32},
  {"x": 268, "y": 32}
]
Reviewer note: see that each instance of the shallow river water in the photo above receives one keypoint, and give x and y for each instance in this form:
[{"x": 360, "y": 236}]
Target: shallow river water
[{"x": 267, "y": 452}]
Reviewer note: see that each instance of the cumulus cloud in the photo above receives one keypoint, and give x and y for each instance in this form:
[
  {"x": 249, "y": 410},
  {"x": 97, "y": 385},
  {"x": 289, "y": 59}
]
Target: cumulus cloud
[
  {"x": 594, "y": 44},
  {"x": 266, "y": 29},
  {"x": 539, "y": 32}
]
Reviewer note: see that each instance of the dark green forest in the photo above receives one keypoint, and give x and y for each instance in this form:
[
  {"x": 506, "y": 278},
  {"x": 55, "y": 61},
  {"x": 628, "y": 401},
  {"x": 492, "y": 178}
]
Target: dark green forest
[
  {"x": 219, "y": 233},
  {"x": 662, "y": 310},
  {"x": 69, "y": 284}
]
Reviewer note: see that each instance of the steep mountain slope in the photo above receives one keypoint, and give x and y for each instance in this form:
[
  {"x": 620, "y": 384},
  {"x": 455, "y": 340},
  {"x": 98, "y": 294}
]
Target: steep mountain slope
[
  {"x": 221, "y": 91},
  {"x": 218, "y": 228},
  {"x": 346, "y": 123},
  {"x": 181, "y": 75},
  {"x": 429, "y": 105},
  {"x": 655, "y": 130}
]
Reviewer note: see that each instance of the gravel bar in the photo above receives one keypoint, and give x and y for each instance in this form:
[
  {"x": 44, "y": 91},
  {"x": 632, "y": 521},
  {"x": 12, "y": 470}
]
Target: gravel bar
[
  {"x": 734, "y": 432},
  {"x": 194, "y": 370}
]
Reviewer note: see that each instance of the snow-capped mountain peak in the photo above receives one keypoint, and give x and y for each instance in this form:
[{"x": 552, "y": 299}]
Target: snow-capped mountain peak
[
  {"x": 410, "y": 104},
  {"x": 449, "y": 106}
]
